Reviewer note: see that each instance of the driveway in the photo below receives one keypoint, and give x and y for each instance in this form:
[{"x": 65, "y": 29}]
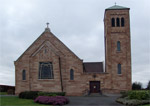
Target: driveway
[{"x": 93, "y": 101}]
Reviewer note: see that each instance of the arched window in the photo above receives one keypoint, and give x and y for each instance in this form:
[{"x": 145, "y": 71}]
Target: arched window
[
  {"x": 118, "y": 46},
  {"x": 24, "y": 75},
  {"x": 122, "y": 22},
  {"x": 71, "y": 74},
  {"x": 46, "y": 70},
  {"x": 118, "y": 22},
  {"x": 113, "y": 22},
  {"x": 119, "y": 68}
]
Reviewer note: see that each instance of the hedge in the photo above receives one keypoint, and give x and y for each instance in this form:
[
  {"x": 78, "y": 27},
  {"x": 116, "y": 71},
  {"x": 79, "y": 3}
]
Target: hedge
[
  {"x": 135, "y": 97},
  {"x": 140, "y": 95},
  {"x": 29, "y": 94},
  {"x": 35, "y": 94}
]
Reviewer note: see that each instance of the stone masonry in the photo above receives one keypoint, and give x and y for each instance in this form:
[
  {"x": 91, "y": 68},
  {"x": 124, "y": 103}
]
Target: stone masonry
[{"x": 48, "y": 48}]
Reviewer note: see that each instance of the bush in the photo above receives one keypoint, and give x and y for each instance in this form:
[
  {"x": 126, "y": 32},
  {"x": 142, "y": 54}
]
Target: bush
[
  {"x": 140, "y": 95},
  {"x": 57, "y": 100},
  {"x": 28, "y": 94},
  {"x": 35, "y": 94},
  {"x": 133, "y": 102},
  {"x": 124, "y": 94}
]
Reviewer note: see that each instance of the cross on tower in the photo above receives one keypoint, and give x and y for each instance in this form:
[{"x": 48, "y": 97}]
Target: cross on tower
[{"x": 115, "y": 3}]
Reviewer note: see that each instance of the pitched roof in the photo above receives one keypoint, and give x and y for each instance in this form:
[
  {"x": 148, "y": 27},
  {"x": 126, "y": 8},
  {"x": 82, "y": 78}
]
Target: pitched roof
[
  {"x": 47, "y": 30},
  {"x": 93, "y": 67},
  {"x": 116, "y": 7}
]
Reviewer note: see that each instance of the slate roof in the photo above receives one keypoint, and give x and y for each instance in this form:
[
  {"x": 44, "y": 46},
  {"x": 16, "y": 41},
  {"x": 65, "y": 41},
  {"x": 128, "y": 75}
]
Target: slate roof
[
  {"x": 116, "y": 7},
  {"x": 93, "y": 67}
]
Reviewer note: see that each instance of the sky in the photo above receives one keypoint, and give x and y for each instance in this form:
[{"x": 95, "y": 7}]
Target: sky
[{"x": 78, "y": 24}]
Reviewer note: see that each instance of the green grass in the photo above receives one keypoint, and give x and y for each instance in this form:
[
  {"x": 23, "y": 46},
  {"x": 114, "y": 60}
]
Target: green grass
[
  {"x": 3, "y": 93},
  {"x": 15, "y": 101},
  {"x": 145, "y": 105}
]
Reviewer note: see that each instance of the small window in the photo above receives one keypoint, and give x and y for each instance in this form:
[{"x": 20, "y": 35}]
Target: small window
[
  {"x": 24, "y": 75},
  {"x": 122, "y": 22},
  {"x": 113, "y": 22},
  {"x": 118, "y": 46},
  {"x": 46, "y": 70},
  {"x": 119, "y": 68},
  {"x": 71, "y": 74},
  {"x": 118, "y": 22}
]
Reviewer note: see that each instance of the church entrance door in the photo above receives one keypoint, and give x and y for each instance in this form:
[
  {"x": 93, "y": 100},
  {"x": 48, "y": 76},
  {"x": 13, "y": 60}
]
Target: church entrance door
[{"x": 94, "y": 86}]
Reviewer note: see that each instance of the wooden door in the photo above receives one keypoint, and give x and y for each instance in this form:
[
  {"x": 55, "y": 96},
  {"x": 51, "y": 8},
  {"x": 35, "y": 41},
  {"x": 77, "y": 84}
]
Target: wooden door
[{"x": 94, "y": 86}]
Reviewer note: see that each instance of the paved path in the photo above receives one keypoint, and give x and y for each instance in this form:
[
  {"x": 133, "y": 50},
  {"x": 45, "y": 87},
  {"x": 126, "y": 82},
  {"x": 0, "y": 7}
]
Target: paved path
[{"x": 93, "y": 101}]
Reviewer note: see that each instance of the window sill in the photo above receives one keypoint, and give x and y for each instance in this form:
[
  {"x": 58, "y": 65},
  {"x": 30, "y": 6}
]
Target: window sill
[
  {"x": 119, "y": 74},
  {"x": 24, "y": 80},
  {"x": 71, "y": 80},
  {"x": 119, "y": 51}
]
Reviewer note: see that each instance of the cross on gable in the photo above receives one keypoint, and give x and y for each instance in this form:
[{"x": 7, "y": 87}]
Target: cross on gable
[{"x": 47, "y": 25}]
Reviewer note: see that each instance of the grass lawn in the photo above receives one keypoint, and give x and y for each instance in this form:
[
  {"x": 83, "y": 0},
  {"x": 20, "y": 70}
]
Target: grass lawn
[
  {"x": 145, "y": 105},
  {"x": 15, "y": 101},
  {"x": 3, "y": 93}
]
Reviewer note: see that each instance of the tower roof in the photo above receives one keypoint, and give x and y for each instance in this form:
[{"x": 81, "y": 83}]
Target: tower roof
[{"x": 116, "y": 7}]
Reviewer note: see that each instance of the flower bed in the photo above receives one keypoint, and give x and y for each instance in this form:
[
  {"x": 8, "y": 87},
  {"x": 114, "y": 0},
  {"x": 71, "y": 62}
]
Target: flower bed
[
  {"x": 132, "y": 102},
  {"x": 134, "y": 97},
  {"x": 53, "y": 100}
]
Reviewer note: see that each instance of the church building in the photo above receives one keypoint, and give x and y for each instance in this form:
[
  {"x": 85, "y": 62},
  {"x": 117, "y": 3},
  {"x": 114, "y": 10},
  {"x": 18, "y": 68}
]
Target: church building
[{"x": 49, "y": 66}]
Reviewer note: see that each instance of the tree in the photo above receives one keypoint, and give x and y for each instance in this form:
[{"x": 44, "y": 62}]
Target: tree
[
  {"x": 148, "y": 85},
  {"x": 137, "y": 86}
]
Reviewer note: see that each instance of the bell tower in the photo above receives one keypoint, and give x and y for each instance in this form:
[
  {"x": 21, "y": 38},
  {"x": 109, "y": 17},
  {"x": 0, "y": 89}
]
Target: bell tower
[{"x": 118, "y": 47}]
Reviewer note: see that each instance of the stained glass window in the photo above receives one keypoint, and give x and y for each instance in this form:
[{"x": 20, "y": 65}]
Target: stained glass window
[{"x": 46, "y": 70}]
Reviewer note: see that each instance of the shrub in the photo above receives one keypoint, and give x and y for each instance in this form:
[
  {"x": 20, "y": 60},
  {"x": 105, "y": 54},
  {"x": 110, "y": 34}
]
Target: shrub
[
  {"x": 140, "y": 95},
  {"x": 124, "y": 94},
  {"x": 53, "y": 100},
  {"x": 133, "y": 102},
  {"x": 34, "y": 94},
  {"x": 28, "y": 94},
  {"x": 51, "y": 94}
]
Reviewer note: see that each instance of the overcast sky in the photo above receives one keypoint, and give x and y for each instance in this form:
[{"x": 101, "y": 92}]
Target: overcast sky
[{"x": 77, "y": 23}]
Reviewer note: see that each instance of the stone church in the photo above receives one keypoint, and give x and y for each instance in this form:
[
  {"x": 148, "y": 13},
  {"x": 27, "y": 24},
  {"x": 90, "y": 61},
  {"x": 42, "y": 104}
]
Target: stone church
[{"x": 48, "y": 65}]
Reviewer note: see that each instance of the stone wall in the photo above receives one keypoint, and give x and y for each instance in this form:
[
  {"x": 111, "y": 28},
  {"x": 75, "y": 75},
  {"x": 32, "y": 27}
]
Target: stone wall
[
  {"x": 113, "y": 57},
  {"x": 55, "y": 49}
]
